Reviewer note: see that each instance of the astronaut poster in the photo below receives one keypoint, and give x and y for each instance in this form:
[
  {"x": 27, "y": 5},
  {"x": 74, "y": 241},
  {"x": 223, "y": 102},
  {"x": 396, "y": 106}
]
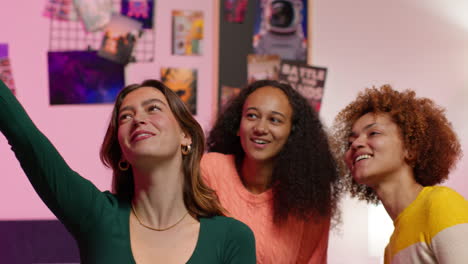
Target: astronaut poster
[
  {"x": 281, "y": 28},
  {"x": 308, "y": 80},
  {"x": 183, "y": 82}
]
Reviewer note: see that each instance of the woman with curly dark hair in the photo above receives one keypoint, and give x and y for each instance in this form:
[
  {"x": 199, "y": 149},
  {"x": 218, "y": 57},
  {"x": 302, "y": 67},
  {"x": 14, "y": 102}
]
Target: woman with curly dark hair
[
  {"x": 272, "y": 168},
  {"x": 396, "y": 147}
]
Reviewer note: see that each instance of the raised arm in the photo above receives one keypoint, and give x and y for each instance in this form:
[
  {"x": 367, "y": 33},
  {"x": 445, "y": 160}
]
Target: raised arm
[{"x": 68, "y": 195}]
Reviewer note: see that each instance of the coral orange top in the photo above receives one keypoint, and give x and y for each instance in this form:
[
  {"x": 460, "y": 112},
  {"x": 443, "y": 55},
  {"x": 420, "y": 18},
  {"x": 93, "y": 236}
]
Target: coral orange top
[{"x": 295, "y": 241}]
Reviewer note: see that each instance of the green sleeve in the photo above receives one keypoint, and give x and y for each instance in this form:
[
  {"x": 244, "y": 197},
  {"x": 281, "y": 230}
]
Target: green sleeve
[
  {"x": 69, "y": 196},
  {"x": 240, "y": 247}
]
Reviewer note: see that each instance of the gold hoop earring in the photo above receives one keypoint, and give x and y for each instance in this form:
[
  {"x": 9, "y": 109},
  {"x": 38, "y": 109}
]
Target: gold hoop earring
[
  {"x": 123, "y": 165},
  {"x": 186, "y": 149}
]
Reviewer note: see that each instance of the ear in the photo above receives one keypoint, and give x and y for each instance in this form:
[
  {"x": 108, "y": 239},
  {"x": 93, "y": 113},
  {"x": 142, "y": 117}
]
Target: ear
[
  {"x": 186, "y": 139},
  {"x": 410, "y": 156}
]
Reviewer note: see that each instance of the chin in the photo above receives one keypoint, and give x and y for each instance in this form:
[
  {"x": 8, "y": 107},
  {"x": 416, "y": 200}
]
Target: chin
[
  {"x": 257, "y": 157},
  {"x": 360, "y": 179}
]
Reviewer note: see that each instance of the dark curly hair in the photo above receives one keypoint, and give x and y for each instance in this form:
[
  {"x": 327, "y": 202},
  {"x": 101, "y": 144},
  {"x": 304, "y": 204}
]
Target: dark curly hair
[
  {"x": 425, "y": 130},
  {"x": 305, "y": 176}
]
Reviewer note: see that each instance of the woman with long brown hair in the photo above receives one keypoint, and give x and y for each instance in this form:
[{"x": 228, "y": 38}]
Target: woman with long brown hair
[{"x": 160, "y": 210}]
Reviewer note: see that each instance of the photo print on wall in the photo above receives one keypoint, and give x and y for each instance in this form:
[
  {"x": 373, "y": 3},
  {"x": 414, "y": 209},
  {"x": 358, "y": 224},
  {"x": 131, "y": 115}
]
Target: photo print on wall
[
  {"x": 187, "y": 32},
  {"x": 83, "y": 77},
  {"x": 262, "y": 67},
  {"x": 306, "y": 79},
  {"x": 119, "y": 39},
  {"x": 234, "y": 10},
  {"x": 183, "y": 82},
  {"x": 227, "y": 94},
  {"x": 61, "y": 10},
  {"x": 94, "y": 13},
  {"x": 140, "y": 10}
]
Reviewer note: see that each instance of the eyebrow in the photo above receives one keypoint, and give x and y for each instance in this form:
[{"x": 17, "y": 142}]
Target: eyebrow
[
  {"x": 146, "y": 102},
  {"x": 274, "y": 112},
  {"x": 353, "y": 134}
]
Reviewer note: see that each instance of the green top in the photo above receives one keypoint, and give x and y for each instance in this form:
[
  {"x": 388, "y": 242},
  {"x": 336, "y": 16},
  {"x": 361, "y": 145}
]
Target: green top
[{"x": 99, "y": 221}]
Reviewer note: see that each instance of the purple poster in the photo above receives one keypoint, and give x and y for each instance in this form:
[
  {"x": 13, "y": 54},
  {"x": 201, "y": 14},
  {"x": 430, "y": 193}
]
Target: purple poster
[
  {"x": 83, "y": 77},
  {"x": 3, "y": 50}
]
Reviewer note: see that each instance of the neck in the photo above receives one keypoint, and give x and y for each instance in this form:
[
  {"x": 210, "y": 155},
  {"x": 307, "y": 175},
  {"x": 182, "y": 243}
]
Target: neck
[
  {"x": 398, "y": 193},
  {"x": 256, "y": 176},
  {"x": 158, "y": 198}
]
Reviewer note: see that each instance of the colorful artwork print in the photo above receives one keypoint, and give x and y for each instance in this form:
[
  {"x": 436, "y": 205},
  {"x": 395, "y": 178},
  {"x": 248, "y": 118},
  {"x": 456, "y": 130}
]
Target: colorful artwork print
[
  {"x": 234, "y": 10},
  {"x": 184, "y": 83},
  {"x": 119, "y": 39},
  {"x": 61, "y": 10},
  {"x": 140, "y": 10},
  {"x": 308, "y": 80},
  {"x": 82, "y": 77},
  {"x": 262, "y": 67},
  {"x": 187, "y": 32},
  {"x": 281, "y": 28},
  {"x": 6, "y": 74}
]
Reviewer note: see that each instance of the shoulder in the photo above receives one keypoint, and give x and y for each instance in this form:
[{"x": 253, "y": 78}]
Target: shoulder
[
  {"x": 445, "y": 198},
  {"x": 445, "y": 208},
  {"x": 216, "y": 163},
  {"x": 229, "y": 227},
  {"x": 227, "y": 223},
  {"x": 215, "y": 158}
]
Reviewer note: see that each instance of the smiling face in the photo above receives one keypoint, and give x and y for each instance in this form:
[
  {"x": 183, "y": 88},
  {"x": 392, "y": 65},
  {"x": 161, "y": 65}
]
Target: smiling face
[
  {"x": 265, "y": 124},
  {"x": 147, "y": 127},
  {"x": 376, "y": 151}
]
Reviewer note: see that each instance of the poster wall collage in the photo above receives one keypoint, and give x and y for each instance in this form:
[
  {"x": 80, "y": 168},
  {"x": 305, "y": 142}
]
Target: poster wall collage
[{"x": 91, "y": 42}]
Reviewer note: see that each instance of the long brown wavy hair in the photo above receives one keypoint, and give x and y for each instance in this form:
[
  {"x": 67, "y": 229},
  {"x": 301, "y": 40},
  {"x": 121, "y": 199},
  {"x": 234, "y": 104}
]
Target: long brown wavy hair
[{"x": 200, "y": 200}]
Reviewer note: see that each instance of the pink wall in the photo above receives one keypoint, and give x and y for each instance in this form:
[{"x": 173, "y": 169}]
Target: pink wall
[
  {"x": 422, "y": 46},
  {"x": 77, "y": 131}
]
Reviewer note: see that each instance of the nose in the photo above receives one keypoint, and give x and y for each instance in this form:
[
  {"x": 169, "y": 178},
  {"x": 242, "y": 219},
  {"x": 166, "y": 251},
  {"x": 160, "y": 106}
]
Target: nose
[
  {"x": 139, "y": 119},
  {"x": 261, "y": 127},
  {"x": 358, "y": 142}
]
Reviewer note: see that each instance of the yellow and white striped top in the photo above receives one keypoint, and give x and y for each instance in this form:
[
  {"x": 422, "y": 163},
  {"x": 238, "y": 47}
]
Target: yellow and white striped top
[{"x": 432, "y": 229}]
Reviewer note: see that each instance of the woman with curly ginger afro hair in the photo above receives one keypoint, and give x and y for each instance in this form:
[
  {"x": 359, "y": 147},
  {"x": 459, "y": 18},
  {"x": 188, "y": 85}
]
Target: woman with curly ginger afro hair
[
  {"x": 272, "y": 168},
  {"x": 395, "y": 148}
]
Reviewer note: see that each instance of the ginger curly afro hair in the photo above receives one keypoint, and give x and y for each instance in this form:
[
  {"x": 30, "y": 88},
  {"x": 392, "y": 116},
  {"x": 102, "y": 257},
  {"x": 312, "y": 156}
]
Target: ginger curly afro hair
[{"x": 425, "y": 131}]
